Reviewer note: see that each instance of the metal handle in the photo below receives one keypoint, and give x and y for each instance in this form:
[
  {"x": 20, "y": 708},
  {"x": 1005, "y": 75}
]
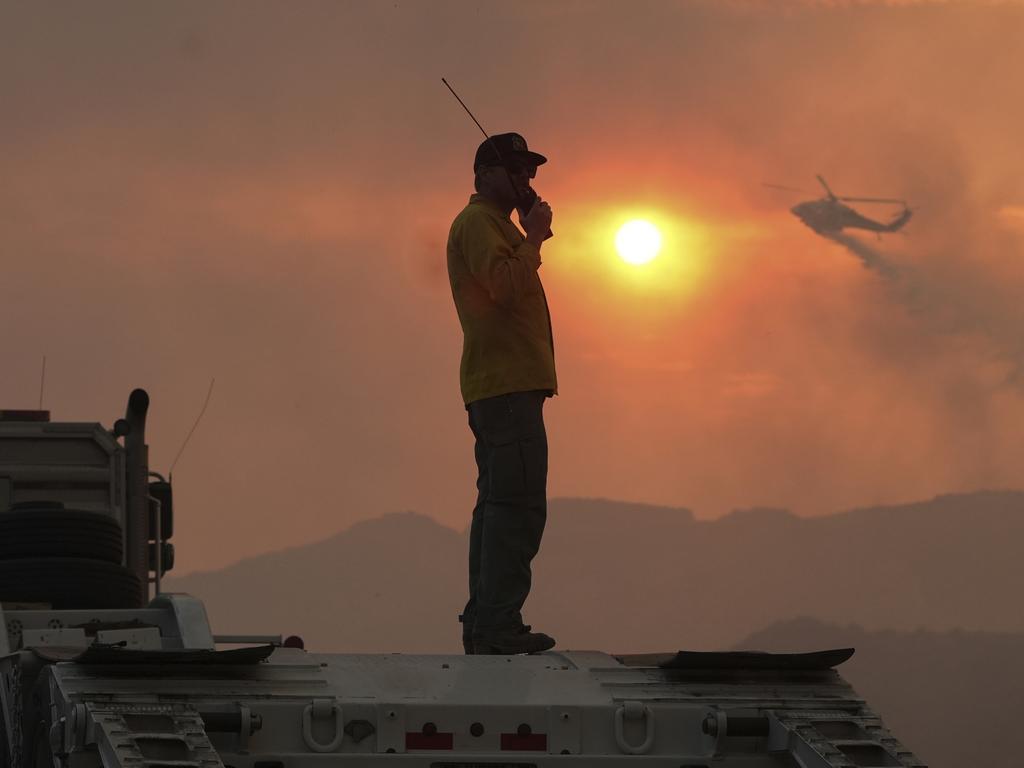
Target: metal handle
[
  {"x": 321, "y": 708},
  {"x": 634, "y": 710}
]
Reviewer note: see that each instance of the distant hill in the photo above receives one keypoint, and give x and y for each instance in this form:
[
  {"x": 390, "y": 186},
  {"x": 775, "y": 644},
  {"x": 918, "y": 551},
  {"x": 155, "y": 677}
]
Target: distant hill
[
  {"x": 390, "y": 584},
  {"x": 633, "y": 578},
  {"x": 953, "y": 698}
]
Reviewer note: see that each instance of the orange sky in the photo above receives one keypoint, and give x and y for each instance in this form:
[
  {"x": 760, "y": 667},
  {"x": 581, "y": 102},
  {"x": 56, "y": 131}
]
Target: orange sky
[{"x": 261, "y": 194}]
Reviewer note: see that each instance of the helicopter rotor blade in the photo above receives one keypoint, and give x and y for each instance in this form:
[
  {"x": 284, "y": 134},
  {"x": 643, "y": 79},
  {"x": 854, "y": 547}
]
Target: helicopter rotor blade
[
  {"x": 873, "y": 200},
  {"x": 783, "y": 187},
  {"x": 828, "y": 191}
]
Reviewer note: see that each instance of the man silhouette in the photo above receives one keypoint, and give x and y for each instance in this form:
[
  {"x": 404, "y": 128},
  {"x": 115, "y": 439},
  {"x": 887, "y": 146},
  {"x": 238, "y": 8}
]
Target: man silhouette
[{"x": 507, "y": 373}]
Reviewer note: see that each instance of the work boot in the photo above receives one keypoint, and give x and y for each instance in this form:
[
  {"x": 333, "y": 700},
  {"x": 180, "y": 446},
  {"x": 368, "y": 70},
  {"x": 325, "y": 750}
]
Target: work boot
[
  {"x": 508, "y": 642},
  {"x": 467, "y": 635}
]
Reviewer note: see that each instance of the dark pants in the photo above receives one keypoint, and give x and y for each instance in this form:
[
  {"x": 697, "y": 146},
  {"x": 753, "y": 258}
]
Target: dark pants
[{"x": 511, "y": 508}]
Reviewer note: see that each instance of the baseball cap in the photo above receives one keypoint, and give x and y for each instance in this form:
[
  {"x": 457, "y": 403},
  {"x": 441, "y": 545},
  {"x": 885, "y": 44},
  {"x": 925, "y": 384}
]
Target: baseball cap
[{"x": 509, "y": 145}]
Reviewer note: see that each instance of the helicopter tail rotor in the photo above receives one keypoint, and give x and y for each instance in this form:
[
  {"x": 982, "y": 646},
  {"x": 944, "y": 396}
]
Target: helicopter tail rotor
[{"x": 902, "y": 218}]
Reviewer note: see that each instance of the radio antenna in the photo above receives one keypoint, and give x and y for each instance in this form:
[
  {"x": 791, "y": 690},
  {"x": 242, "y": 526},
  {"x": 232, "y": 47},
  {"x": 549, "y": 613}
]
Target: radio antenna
[
  {"x": 448, "y": 86},
  {"x": 188, "y": 437},
  {"x": 523, "y": 204}
]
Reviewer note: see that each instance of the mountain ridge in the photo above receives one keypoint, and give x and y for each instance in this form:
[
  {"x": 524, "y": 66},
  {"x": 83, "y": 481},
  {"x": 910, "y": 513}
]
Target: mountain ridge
[{"x": 638, "y": 578}]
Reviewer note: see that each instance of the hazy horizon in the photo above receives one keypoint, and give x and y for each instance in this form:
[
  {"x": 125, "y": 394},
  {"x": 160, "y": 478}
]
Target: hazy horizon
[
  {"x": 698, "y": 583},
  {"x": 260, "y": 193},
  {"x": 684, "y": 513}
]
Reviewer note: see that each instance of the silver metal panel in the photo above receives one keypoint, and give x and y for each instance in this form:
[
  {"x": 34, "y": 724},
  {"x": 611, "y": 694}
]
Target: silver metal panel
[
  {"x": 146, "y": 639},
  {"x": 391, "y": 727},
  {"x": 66, "y": 638},
  {"x": 463, "y": 711},
  {"x": 564, "y": 725},
  {"x": 190, "y": 618},
  {"x": 16, "y": 621},
  {"x": 79, "y": 464}
]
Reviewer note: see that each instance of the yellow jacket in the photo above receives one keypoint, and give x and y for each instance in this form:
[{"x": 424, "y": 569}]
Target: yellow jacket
[{"x": 507, "y": 341}]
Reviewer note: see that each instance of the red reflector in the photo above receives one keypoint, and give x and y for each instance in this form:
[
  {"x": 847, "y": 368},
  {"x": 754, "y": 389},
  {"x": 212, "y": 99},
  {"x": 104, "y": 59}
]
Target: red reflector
[
  {"x": 533, "y": 742},
  {"x": 10, "y": 415},
  {"x": 433, "y": 741}
]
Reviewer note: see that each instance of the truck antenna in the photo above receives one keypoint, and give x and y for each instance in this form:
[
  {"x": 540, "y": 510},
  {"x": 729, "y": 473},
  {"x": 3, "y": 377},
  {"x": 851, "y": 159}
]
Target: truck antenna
[
  {"x": 188, "y": 437},
  {"x": 42, "y": 383}
]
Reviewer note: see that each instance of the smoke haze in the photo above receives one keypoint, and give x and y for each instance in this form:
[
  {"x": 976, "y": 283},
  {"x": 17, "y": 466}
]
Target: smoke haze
[{"x": 261, "y": 193}]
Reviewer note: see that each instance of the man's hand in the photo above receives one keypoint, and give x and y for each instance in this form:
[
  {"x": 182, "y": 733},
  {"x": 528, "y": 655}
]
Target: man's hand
[{"x": 537, "y": 223}]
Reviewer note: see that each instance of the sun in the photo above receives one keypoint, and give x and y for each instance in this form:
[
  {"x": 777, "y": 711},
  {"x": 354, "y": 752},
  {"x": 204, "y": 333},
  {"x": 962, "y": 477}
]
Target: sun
[{"x": 638, "y": 241}]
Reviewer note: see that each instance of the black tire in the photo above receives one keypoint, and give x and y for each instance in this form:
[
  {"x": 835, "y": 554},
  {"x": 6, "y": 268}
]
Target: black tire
[
  {"x": 69, "y": 583},
  {"x": 47, "y": 531}
]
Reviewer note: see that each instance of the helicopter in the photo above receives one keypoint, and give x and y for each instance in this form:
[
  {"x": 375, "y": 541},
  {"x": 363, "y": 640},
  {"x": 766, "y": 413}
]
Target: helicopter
[{"x": 829, "y": 215}]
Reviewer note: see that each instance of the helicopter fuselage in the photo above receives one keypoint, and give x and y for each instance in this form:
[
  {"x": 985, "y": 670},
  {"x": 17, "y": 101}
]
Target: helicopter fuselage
[{"x": 829, "y": 216}]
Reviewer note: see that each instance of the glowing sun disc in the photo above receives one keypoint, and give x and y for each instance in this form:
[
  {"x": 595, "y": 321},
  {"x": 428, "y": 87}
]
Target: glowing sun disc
[{"x": 638, "y": 241}]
